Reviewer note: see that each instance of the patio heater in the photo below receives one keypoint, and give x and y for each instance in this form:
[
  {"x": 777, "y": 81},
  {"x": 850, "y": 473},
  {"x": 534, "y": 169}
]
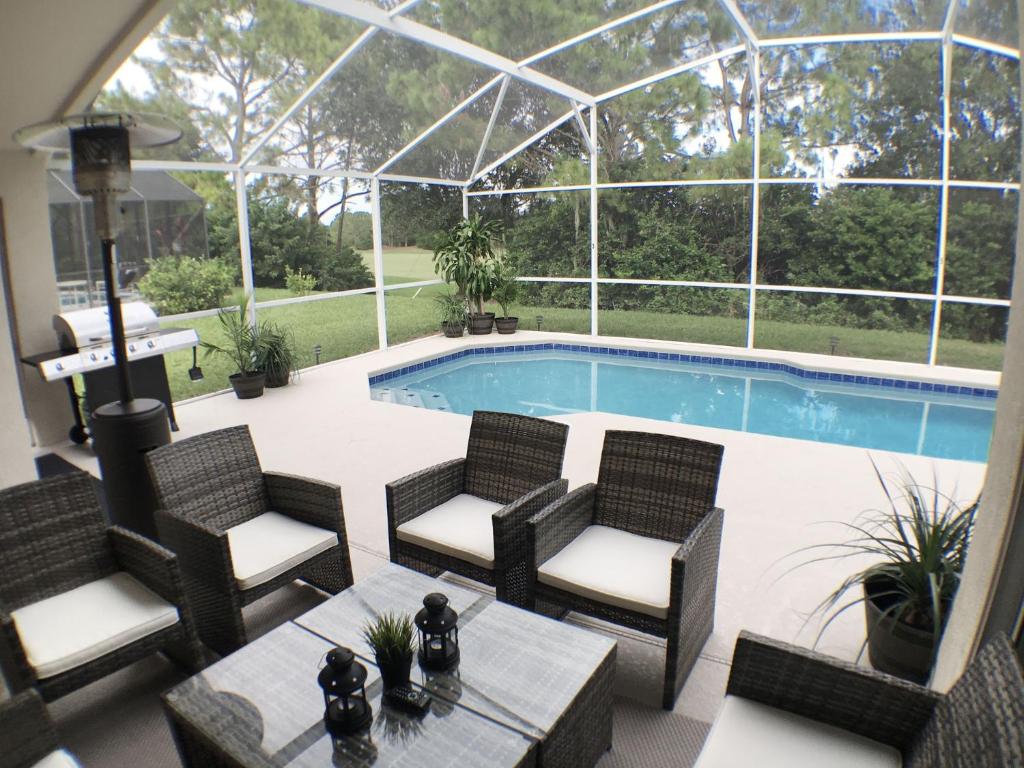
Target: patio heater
[{"x": 100, "y": 145}]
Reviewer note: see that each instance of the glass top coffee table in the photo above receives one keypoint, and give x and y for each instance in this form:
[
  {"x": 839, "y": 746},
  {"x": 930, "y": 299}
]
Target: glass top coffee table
[{"x": 527, "y": 690}]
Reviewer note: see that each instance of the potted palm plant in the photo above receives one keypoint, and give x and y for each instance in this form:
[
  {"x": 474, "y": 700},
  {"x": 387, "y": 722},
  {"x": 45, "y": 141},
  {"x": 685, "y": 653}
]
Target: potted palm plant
[
  {"x": 276, "y": 354},
  {"x": 451, "y": 310},
  {"x": 390, "y": 636},
  {"x": 506, "y": 289},
  {"x": 242, "y": 347},
  {"x": 920, "y": 539},
  {"x": 466, "y": 258}
]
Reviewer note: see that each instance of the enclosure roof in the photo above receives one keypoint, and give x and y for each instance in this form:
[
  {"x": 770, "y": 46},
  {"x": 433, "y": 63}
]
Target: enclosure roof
[{"x": 448, "y": 90}]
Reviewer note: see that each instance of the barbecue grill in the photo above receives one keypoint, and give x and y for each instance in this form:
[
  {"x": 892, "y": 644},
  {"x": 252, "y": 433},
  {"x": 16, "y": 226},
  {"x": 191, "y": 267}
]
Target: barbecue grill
[{"x": 86, "y": 347}]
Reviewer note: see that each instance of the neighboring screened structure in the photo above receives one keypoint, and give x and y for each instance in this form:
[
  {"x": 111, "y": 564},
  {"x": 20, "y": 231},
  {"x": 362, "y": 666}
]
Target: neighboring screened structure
[
  {"x": 160, "y": 217},
  {"x": 815, "y": 176}
]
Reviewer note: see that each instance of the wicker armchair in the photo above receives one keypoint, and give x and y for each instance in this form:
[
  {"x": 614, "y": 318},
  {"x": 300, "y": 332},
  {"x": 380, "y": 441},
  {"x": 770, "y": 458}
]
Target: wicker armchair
[
  {"x": 27, "y": 736},
  {"x": 79, "y": 600},
  {"x": 468, "y": 516},
  {"x": 242, "y": 533},
  {"x": 639, "y": 548},
  {"x": 790, "y": 706}
]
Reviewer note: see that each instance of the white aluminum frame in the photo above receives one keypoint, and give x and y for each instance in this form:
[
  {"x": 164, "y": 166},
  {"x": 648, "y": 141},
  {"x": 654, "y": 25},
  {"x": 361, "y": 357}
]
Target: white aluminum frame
[{"x": 393, "y": 22}]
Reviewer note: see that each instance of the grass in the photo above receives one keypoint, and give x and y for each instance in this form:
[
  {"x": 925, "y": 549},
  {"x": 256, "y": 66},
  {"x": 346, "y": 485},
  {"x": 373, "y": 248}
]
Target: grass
[{"x": 348, "y": 326}]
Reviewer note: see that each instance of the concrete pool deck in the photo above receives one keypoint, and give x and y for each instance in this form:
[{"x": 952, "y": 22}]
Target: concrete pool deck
[{"x": 779, "y": 494}]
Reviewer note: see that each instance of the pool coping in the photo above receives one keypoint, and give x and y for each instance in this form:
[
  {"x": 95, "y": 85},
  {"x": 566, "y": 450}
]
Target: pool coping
[{"x": 738, "y": 359}]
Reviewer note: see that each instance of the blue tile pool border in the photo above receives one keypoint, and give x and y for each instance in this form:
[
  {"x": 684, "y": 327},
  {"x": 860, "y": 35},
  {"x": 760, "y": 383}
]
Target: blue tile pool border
[{"x": 807, "y": 374}]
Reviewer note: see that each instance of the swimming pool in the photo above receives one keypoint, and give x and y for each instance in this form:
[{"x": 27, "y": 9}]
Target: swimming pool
[{"x": 770, "y": 398}]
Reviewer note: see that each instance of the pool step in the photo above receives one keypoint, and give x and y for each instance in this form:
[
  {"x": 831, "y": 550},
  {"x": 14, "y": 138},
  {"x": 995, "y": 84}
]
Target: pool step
[{"x": 417, "y": 398}]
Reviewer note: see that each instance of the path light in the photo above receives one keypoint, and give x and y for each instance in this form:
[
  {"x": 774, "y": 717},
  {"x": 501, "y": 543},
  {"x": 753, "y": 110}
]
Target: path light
[
  {"x": 316, "y": 351},
  {"x": 833, "y": 344},
  {"x": 540, "y": 319}
]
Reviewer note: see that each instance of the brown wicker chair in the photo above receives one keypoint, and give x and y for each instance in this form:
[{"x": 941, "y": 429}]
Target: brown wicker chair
[
  {"x": 468, "y": 516},
  {"x": 27, "y": 735},
  {"x": 242, "y": 533},
  {"x": 640, "y": 548},
  {"x": 839, "y": 706},
  {"x": 79, "y": 600}
]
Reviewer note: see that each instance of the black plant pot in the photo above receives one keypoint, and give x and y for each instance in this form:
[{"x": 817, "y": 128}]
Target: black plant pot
[
  {"x": 395, "y": 674},
  {"x": 480, "y": 325},
  {"x": 453, "y": 330},
  {"x": 894, "y": 646},
  {"x": 248, "y": 385},
  {"x": 506, "y": 324},
  {"x": 276, "y": 378}
]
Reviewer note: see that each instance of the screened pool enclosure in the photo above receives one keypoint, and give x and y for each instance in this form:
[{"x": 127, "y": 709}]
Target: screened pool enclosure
[{"x": 829, "y": 177}]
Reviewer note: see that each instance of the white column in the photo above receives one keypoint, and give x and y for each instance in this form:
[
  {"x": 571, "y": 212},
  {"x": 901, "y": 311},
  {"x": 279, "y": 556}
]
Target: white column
[
  {"x": 754, "y": 62},
  {"x": 378, "y": 263},
  {"x": 465, "y": 203},
  {"x": 242, "y": 206},
  {"x": 593, "y": 221},
  {"x": 940, "y": 260}
]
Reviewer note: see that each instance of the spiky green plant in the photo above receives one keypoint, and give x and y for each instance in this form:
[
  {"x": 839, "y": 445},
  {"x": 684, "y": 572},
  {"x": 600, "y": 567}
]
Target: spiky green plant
[
  {"x": 921, "y": 539},
  {"x": 391, "y": 636},
  {"x": 467, "y": 258}
]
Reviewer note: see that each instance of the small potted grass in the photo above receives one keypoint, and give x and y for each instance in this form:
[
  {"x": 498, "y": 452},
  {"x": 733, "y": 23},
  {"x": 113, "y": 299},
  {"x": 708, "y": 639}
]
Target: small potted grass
[
  {"x": 505, "y": 291},
  {"x": 451, "y": 310},
  {"x": 391, "y": 636}
]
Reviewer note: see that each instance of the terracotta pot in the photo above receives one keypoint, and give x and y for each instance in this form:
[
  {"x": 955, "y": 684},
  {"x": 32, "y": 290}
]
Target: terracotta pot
[
  {"x": 247, "y": 385},
  {"x": 506, "y": 324}
]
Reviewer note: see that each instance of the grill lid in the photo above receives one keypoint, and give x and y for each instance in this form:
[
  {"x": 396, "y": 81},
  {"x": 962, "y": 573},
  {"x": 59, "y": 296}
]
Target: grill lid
[{"x": 91, "y": 327}]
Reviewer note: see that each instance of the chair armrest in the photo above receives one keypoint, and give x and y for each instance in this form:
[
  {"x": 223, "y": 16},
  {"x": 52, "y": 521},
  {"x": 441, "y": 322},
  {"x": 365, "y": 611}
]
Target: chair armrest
[
  {"x": 153, "y": 565},
  {"x": 13, "y": 662},
  {"x": 310, "y": 501},
  {"x": 421, "y": 491},
  {"x": 560, "y": 522},
  {"x": 27, "y": 734},
  {"x": 694, "y": 576},
  {"x": 203, "y": 552},
  {"x": 511, "y": 534},
  {"x": 825, "y": 689}
]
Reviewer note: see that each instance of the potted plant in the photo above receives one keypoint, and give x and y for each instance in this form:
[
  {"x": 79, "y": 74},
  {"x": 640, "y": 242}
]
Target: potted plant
[
  {"x": 391, "y": 638},
  {"x": 276, "y": 354},
  {"x": 920, "y": 539},
  {"x": 451, "y": 310},
  {"x": 467, "y": 259},
  {"x": 505, "y": 291},
  {"x": 241, "y": 347}
]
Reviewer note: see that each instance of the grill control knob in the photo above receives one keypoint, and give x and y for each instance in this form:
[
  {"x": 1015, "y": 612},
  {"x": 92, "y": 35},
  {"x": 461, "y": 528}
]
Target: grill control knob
[
  {"x": 131, "y": 347},
  {"x": 92, "y": 355},
  {"x": 60, "y": 366},
  {"x": 150, "y": 344}
]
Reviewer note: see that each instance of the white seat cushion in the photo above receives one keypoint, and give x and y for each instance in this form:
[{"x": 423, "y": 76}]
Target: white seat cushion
[
  {"x": 746, "y": 732},
  {"x": 614, "y": 567},
  {"x": 461, "y": 527},
  {"x": 267, "y": 546},
  {"x": 78, "y": 626},
  {"x": 58, "y": 759}
]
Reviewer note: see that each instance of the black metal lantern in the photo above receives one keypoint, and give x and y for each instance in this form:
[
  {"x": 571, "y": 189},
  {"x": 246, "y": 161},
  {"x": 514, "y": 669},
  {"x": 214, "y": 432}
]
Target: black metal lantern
[
  {"x": 343, "y": 680},
  {"x": 439, "y": 632}
]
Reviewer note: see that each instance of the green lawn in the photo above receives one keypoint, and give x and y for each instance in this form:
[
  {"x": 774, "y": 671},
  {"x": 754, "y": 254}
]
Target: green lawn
[
  {"x": 403, "y": 265},
  {"x": 347, "y": 326}
]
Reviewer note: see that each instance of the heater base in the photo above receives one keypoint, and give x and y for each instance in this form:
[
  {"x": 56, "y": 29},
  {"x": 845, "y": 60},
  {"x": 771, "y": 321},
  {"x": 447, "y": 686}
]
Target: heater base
[{"x": 122, "y": 433}]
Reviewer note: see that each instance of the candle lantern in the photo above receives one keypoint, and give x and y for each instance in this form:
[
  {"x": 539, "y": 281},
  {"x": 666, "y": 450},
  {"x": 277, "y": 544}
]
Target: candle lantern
[
  {"x": 439, "y": 633},
  {"x": 343, "y": 680}
]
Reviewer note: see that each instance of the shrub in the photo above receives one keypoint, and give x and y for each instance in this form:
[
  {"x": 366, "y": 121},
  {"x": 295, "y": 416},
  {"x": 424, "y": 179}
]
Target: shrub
[
  {"x": 177, "y": 284},
  {"x": 344, "y": 270},
  {"x": 298, "y": 282}
]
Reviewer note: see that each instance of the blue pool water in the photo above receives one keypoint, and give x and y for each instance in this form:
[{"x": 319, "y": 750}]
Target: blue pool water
[{"x": 761, "y": 401}]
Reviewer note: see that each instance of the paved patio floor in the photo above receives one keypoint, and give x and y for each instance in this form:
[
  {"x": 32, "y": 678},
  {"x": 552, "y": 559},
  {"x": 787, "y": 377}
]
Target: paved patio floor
[{"x": 776, "y": 493}]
